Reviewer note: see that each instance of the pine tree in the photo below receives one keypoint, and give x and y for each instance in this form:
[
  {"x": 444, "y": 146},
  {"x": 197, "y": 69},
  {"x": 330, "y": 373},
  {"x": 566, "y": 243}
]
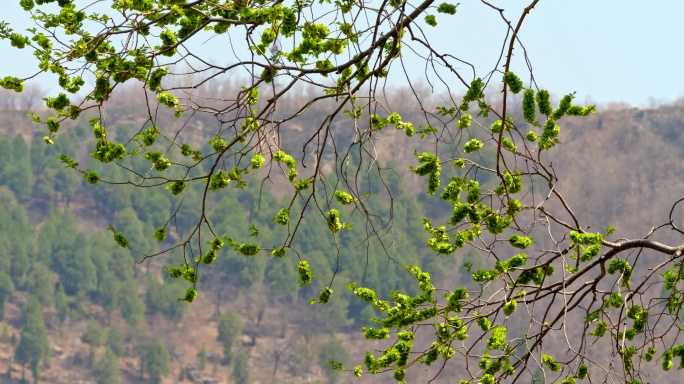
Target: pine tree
[
  {"x": 6, "y": 160},
  {"x": 132, "y": 306},
  {"x": 115, "y": 341},
  {"x": 6, "y": 291},
  {"x": 157, "y": 361},
  {"x": 108, "y": 291},
  {"x": 61, "y": 303},
  {"x": 41, "y": 283},
  {"x": 332, "y": 350},
  {"x": 34, "y": 346},
  {"x": 21, "y": 261},
  {"x": 94, "y": 334},
  {"x": 20, "y": 176},
  {"x": 202, "y": 358},
  {"x": 4, "y": 336},
  {"x": 107, "y": 369},
  {"x": 80, "y": 275},
  {"x": 240, "y": 373},
  {"x": 162, "y": 298},
  {"x": 229, "y": 330}
]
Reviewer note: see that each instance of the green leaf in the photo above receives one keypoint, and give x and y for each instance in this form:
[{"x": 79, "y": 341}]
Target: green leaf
[
  {"x": 283, "y": 217},
  {"x": 120, "y": 239},
  {"x": 91, "y": 177},
  {"x": 343, "y": 197},
  {"x": 69, "y": 162},
  {"x": 160, "y": 234},
  {"x": 447, "y": 8},
  {"x": 431, "y": 20},
  {"x": 248, "y": 249},
  {"x": 513, "y": 81},
  {"x": 190, "y": 295},
  {"x": 497, "y": 339},
  {"x": 305, "y": 275}
]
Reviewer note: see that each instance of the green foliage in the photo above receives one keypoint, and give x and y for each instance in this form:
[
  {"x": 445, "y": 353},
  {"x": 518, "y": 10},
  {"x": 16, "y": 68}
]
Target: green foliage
[
  {"x": 286, "y": 159},
  {"x": 324, "y": 296},
  {"x": 94, "y": 334},
  {"x": 464, "y": 121},
  {"x": 447, "y": 8},
  {"x": 163, "y": 297},
  {"x": 132, "y": 306},
  {"x": 12, "y": 83},
  {"x": 279, "y": 252},
  {"x": 7, "y": 289},
  {"x": 551, "y": 363},
  {"x": 600, "y": 330},
  {"x": 456, "y": 297},
  {"x": 484, "y": 323},
  {"x": 521, "y": 242},
  {"x": 106, "y": 369},
  {"x": 229, "y": 331},
  {"x": 365, "y": 294},
  {"x": 283, "y": 217},
  {"x": 218, "y": 180},
  {"x": 18, "y": 175},
  {"x": 202, "y": 355},
  {"x": 61, "y": 303},
  {"x": 510, "y": 307},
  {"x": 375, "y": 334},
  {"x": 248, "y": 249},
  {"x": 121, "y": 239},
  {"x": 497, "y": 339},
  {"x": 507, "y": 144},
  {"x": 160, "y": 234},
  {"x": 514, "y": 262},
  {"x": 4, "y": 336},
  {"x": 431, "y": 20},
  {"x": 529, "y": 110},
  {"x": 80, "y": 275},
  {"x": 513, "y": 81},
  {"x": 429, "y": 166},
  {"x": 535, "y": 275},
  {"x": 621, "y": 266},
  {"x": 343, "y": 197},
  {"x": 251, "y": 124},
  {"x": 167, "y": 99},
  {"x": 582, "y": 372},
  {"x": 586, "y": 238},
  {"x": 157, "y": 361},
  {"x": 240, "y": 374},
  {"x": 305, "y": 274},
  {"x": 472, "y": 146},
  {"x": 543, "y": 102},
  {"x": 590, "y": 252},
  {"x": 115, "y": 341},
  {"x": 484, "y": 275},
  {"x": 34, "y": 346},
  {"x": 474, "y": 93},
  {"x": 41, "y": 283},
  {"x": 332, "y": 353},
  {"x": 498, "y": 125},
  {"x": 648, "y": 356},
  {"x": 190, "y": 295},
  {"x": 334, "y": 223},
  {"x": 91, "y": 177}
]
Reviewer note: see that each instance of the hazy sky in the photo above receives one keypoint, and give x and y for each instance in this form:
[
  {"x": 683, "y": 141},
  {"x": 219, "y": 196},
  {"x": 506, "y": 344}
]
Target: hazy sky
[{"x": 605, "y": 50}]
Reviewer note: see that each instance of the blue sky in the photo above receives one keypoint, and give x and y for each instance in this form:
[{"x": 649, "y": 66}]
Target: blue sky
[{"x": 607, "y": 51}]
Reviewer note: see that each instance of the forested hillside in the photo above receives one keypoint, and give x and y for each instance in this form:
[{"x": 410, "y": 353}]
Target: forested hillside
[
  {"x": 103, "y": 308},
  {"x": 77, "y": 307}
]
